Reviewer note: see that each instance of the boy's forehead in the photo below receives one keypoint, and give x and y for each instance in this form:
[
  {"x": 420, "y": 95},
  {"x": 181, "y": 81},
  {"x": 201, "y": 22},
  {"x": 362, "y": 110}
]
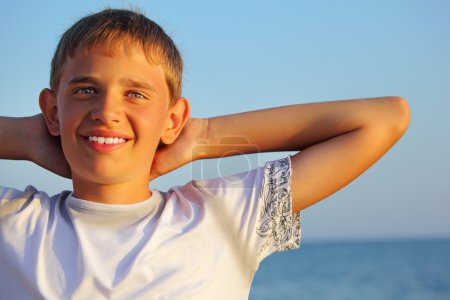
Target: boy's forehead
[
  {"x": 89, "y": 54},
  {"x": 90, "y": 62}
]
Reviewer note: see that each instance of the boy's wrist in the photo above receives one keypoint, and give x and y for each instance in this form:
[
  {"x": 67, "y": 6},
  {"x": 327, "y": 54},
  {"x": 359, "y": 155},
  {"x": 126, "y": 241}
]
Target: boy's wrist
[
  {"x": 35, "y": 130},
  {"x": 200, "y": 136},
  {"x": 215, "y": 141}
]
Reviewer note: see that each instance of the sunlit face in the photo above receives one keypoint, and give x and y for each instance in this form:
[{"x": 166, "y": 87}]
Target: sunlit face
[{"x": 112, "y": 110}]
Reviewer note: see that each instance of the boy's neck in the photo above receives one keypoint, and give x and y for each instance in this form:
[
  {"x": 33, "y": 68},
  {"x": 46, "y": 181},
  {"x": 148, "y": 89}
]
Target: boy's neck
[{"x": 121, "y": 193}]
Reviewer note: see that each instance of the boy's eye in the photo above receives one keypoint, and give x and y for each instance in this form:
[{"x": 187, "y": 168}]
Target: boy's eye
[
  {"x": 136, "y": 95},
  {"x": 87, "y": 90}
]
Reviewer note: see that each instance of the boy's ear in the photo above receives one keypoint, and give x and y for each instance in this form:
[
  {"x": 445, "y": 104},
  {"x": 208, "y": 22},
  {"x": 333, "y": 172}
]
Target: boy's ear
[
  {"x": 49, "y": 108},
  {"x": 177, "y": 118}
]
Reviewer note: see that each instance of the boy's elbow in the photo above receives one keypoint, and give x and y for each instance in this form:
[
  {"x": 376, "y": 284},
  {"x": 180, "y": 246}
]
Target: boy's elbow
[
  {"x": 404, "y": 114},
  {"x": 397, "y": 115}
]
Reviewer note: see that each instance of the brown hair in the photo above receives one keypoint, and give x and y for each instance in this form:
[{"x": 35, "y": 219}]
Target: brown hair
[{"x": 113, "y": 26}]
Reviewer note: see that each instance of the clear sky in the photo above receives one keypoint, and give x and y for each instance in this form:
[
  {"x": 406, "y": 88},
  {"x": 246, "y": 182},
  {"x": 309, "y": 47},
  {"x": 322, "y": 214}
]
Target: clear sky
[{"x": 247, "y": 55}]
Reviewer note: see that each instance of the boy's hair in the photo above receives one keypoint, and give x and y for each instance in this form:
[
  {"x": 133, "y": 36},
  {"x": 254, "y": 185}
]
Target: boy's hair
[{"x": 112, "y": 27}]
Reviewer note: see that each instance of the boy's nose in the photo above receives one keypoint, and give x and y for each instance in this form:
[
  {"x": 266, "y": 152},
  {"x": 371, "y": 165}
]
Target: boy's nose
[{"x": 107, "y": 110}]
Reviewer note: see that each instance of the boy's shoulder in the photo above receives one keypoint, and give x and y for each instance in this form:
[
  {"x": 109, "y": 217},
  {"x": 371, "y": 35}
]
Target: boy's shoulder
[
  {"x": 10, "y": 195},
  {"x": 13, "y": 200}
]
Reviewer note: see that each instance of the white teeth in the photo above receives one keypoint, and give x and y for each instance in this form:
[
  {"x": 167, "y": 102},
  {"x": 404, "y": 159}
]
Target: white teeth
[{"x": 107, "y": 140}]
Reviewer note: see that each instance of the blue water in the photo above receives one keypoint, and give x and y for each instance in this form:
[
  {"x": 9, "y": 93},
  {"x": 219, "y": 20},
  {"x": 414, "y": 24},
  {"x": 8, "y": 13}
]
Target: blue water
[{"x": 391, "y": 270}]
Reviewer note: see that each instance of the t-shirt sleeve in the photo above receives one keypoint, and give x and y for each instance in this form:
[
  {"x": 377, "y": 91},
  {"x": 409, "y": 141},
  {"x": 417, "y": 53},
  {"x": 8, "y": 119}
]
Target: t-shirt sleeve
[
  {"x": 11, "y": 197},
  {"x": 257, "y": 207},
  {"x": 277, "y": 228}
]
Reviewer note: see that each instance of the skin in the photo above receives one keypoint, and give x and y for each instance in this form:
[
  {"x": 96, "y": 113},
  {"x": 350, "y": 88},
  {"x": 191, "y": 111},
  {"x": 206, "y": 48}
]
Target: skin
[
  {"x": 112, "y": 95},
  {"x": 336, "y": 141}
]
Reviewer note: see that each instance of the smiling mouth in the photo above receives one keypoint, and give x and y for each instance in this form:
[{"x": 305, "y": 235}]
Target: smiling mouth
[{"x": 106, "y": 140}]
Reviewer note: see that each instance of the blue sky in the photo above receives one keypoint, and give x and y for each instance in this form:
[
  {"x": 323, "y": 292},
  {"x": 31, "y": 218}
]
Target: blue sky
[{"x": 247, "y": 55}]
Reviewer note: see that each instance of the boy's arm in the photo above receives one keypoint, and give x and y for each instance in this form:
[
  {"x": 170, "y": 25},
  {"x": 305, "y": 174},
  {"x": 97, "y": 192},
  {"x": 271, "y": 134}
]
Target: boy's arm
[
  {"x": 27, "y": 138},
  {"x": 338, "y": 140}
]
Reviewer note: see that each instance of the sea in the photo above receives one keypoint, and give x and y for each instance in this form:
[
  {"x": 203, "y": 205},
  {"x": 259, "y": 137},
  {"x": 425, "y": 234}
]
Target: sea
[{"x": 360, "y": 270}]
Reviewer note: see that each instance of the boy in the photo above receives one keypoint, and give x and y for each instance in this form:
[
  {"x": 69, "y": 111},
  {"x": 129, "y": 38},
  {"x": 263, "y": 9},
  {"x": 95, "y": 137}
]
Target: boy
[{"x": 113, "y": 120}]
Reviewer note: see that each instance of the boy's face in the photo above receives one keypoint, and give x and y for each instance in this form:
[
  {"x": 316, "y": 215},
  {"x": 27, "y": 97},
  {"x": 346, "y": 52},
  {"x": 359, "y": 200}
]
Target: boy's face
[{"x": 111, "y": 112}]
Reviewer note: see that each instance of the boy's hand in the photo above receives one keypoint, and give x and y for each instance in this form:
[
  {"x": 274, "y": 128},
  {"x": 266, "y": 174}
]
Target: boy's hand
[{"x": 170, "y": 157}]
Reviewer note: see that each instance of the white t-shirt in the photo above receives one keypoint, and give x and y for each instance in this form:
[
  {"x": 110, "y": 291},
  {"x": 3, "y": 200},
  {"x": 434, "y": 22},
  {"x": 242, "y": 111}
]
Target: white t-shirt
[{"x": 203, "y": 240}]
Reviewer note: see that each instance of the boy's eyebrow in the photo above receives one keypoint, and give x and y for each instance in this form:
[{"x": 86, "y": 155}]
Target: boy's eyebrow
[
  {"x": 84, "y": 79},
  {"x": 137, "y": 84}
]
